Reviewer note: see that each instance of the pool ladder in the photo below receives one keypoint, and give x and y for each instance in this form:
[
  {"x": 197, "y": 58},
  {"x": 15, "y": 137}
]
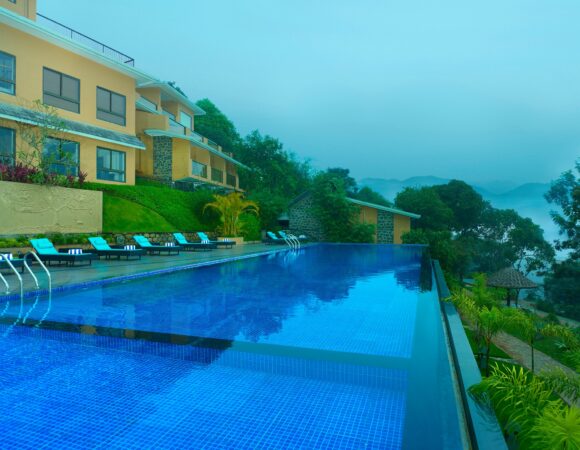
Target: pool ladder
[{"x": 292, "y": 241}]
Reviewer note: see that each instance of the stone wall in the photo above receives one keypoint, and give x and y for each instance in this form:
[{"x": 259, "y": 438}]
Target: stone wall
[
  {"x": 303, "y": 221},
  {"x": 163, "y": 158},
  {"x": 385, "y": 227},
  {"x": 34, "y": 209}
]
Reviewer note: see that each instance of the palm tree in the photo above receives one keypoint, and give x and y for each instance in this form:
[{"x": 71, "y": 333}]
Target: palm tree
[{"x": 230, "y": 208}]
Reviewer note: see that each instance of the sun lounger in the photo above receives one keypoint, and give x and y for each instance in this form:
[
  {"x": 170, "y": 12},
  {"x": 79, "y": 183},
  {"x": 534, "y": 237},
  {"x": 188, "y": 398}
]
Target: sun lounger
[
  {"x": 272, "y": 239},
  {"x": 47, "y": 253},
  {"x": 102, "y": 248},
  {"x": 183, "y": 242},
  {"x": 206, "y": 240},
  {"x": 153, "y": 248}
]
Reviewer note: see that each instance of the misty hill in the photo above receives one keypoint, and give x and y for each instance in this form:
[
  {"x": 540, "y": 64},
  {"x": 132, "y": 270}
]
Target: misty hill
[{"x": 527, "y": 199}]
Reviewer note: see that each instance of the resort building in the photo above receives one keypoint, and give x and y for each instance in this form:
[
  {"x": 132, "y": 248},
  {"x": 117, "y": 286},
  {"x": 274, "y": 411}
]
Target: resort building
[
  {"x": 390, "y": 223},
  {"x": 117, "y": 122}
]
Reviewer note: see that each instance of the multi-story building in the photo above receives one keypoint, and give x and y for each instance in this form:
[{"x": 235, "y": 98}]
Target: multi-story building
[{"x": 118, "y": 122}]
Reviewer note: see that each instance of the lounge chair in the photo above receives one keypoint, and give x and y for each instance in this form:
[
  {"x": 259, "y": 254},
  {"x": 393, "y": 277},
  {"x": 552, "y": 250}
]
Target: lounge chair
[
  {"x": 286, "y": 236},
  {"x": 272, "y": 239},
  {"x": 183, "y": 242},
  {"x": 47, "y": 253},
  {"x": 16, "y": 262},
  {"x": 206, "y": 240},
  {"x": 102, "y": 248},
  {"x": 153, "y": 248}
]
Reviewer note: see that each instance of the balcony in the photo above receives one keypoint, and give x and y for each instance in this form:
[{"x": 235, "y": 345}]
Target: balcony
[
  {"x": 217, "y": 175},
  {"x": 212, "y": 144},
  {"x": 176, "y": 127},
  {"x": 91, "y": 43}
]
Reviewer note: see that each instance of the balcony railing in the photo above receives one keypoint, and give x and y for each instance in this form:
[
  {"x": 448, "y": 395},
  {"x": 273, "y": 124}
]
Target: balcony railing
[
  {"x": 198, "y": 169},
  {"x": 212, "y": 144},
  {"x": 148, "y": 103},
  {"x": 231, "y": 180},
  {"x": 198, "y": 137},
  {"x": 217, "y": 175},
  {"x": 84, "y": 39},
  {"x": 176, "y": 127}
]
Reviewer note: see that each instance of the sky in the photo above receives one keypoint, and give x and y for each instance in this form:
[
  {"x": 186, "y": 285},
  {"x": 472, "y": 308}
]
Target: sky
[{"x": 479, "y": 91}]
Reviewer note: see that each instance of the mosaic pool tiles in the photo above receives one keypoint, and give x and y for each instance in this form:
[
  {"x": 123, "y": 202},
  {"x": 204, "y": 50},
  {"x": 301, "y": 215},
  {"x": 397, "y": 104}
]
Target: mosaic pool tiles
[{"x": 57, "y": 394}]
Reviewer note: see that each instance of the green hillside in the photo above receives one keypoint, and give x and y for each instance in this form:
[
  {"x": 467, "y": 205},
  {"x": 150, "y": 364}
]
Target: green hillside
[{"x": 125, "y": 216}]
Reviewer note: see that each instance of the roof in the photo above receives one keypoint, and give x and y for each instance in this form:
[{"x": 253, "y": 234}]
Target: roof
[
  {"x": 193, "y": 140},
  {"x": 169, "y": 90},
  {"x": 24, "y": 115},
  {"x": 510, "y": 278},
  {"x": 361, "y": 203},
  {"x": 384, "y": 208},
  {"x": 31, "y": 27}
]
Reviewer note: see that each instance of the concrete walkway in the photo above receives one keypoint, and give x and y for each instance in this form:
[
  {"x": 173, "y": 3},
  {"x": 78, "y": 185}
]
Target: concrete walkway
[{"x": 103, "y": 268}]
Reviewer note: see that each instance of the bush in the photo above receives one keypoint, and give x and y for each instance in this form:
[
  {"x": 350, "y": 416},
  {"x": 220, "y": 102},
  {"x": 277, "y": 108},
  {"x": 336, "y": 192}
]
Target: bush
[
  {"x": 20, "y": 173},
  {"x": 546, "y": 306},
  {"x": 250, "y": 227}
]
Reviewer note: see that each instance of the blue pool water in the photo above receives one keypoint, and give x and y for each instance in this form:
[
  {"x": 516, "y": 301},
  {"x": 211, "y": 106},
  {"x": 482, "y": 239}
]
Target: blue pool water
[{"x": 336, "y": 346}]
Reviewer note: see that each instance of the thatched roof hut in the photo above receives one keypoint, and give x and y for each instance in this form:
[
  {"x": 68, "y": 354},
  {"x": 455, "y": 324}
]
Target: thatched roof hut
[{"x": 510, "y": 278}]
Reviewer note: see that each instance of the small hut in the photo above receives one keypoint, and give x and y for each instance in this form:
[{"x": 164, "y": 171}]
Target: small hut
[{"x": 512, "y": 280}]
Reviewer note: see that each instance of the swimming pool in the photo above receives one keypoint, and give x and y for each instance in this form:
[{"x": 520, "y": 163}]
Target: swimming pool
[{"x": 335, "y": 346}]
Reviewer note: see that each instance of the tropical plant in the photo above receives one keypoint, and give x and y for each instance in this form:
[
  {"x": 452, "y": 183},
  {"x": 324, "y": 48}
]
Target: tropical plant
[
  {"x": 230, "y": 209},
  {"x": 528, "y": 411},
  {"x": 529, "y": 327}
]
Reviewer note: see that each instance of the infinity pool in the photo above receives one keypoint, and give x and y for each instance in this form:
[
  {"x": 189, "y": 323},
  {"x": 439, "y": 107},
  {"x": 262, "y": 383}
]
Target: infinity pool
[{"x": 334, "y": 346}]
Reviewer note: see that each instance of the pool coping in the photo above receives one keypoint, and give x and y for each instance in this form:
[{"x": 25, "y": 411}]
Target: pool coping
[
  {"x": 120, "y": 278},
  {"x": 482, "y": 425}
]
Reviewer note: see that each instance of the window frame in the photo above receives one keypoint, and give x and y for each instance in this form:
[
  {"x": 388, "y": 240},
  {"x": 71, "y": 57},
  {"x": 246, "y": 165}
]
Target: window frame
[
  {"x": 204, "y": 170},
  {"x": 110, "y": 111},
  {"x": 13, "y": 82},
  {"x": 78, "y": 163},
  {"x": 111, "y": 151},
  {"x": 61, "y": 97},
  {"x": 2, "y": 155}
]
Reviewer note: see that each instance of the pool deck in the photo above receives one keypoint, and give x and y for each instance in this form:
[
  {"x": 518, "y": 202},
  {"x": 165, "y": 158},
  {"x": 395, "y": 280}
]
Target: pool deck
[{"x": 104, "y": 269}]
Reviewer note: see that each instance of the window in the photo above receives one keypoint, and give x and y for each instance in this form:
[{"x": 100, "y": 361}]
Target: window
[
  {"x": 7, "y": 73},
  {"x": 110, "y": 165},
  {"x": 61, "y": 91},
  {"x": 62, "y": 155},
  {"x": 186, "y": 120},
  {"x": 198, "y": 169},
  {"x": 7, "y": 146},
  {"x": 111, "y": 107}
]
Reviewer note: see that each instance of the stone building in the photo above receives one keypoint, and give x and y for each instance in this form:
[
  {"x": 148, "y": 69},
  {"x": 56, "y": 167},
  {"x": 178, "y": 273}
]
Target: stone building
[{"x": 390, "y": 223}]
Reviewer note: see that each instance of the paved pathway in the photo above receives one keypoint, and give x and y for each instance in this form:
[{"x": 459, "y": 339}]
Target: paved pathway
[{"x": 103, "y": 269}]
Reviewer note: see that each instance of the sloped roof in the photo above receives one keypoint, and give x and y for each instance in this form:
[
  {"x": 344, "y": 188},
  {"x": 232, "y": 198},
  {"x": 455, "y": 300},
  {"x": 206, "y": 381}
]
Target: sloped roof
[
  {"x": 24, "y": 115},
  {"x": 510, "y": 278}
]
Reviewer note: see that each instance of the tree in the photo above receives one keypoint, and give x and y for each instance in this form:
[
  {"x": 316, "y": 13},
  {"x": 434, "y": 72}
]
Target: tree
[
  {"x": 465, "y": 203},
  {"x": 231, "y": 207},
  {"x": 215, "y": 125},
  {"x": 435, "y": 215},
  {"x": 565, "y": 192},
  {"x": 338, "y": 216},
  {"x": 366, "y": 194},
  {"x": 562, "y": 287},
  {"x": 348, "y": 182}
]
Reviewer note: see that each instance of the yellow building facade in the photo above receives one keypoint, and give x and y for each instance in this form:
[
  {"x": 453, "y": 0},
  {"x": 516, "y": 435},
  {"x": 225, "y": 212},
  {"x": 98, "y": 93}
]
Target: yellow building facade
[{"x": 117, "y": 121}]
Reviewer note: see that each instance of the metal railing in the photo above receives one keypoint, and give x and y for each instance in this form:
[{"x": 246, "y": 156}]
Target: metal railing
[
  {"x": 81, "y": 38},
  {"x": 176, "y": 127},
  {"x": 148, "y": 103},
  {"x": 212, "y": 144}
]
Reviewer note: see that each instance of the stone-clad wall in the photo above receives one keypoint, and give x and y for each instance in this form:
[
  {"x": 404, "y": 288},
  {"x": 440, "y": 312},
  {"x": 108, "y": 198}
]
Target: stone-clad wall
[
  {"x": 385, "y": 226},
  {"x": 303, "y": 220},
  {"x": 163, "y": 158},
  {"x": 34, "y": 209}
]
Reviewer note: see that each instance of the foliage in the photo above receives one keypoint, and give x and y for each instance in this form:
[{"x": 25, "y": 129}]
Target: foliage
[
  {"x": 442, "y": 246},
  {"x": 338, "y": 216},
  {"x": 565, "y": 192},
  {"x": 215, "y": 125},
  {"x": 250, "y": 227},
  {"x": 348, "y": 183},
  {"x": 435, "y": 215},
  {"x": 528, "y": 411},
  {"x": 183, "y": 210},
  {"x": 271, "y": 206},
  {"x": 562, "y": 287},
  {"x": 366, "y": 194},
  {"x": 230, "y": 209},
  {"x": 20, "y": 173},
  {"x": 465, "y": 203}
]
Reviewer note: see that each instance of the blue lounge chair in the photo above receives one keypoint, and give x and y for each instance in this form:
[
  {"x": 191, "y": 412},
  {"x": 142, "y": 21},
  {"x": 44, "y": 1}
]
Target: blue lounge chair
[
  {"x": 16, "y": 262},
  {"x": 102, "y": 248},
  {"x": 152, "y": 249},
  {"x": 286, "y": 236},
  {"x": 183, "y": 242},
  {"x": 206, "y": 240},
  {"x": 272, "y": 239},
  {"x": 47, "y": 253}
]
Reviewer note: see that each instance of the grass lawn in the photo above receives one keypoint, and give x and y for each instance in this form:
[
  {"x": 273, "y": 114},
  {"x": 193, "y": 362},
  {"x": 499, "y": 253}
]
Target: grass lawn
[
  {"x": 124, "y": 216},
  {"x": 495, "y": 351}
]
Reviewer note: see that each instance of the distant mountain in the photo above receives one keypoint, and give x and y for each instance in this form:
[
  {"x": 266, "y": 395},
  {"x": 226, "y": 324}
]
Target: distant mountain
[{"x": 527, "y": 199}]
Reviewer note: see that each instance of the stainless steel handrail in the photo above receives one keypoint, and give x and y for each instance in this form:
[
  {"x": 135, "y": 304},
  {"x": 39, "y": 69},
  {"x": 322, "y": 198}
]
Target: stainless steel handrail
[
  {"x": 2, "y": 257},
  {"x": 41, "y": 265}
]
